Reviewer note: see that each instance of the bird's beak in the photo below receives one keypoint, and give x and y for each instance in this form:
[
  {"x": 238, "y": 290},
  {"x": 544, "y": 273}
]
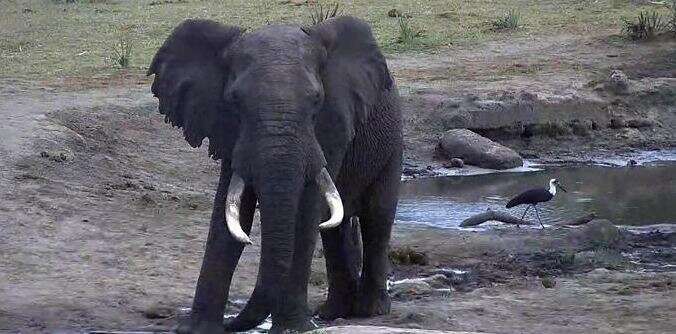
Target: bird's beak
[{"x": 562, "y": 188}]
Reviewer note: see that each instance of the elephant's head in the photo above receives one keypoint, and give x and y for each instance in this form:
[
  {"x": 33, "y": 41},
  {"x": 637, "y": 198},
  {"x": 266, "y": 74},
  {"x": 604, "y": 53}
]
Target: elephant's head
[{"x": 261, "y": 98}]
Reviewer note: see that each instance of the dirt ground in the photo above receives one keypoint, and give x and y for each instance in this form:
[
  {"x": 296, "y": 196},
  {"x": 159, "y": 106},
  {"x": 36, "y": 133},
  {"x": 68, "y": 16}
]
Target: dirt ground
[{"x": 104, "y": 209}]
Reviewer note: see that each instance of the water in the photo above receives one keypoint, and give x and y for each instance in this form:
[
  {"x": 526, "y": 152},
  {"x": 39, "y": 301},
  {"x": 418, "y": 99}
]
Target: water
[{"x": 639, "y": 196}]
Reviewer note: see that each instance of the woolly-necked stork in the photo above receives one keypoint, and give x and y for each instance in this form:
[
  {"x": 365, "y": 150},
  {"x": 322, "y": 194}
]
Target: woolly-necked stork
[{"x": 534, "y": 196}]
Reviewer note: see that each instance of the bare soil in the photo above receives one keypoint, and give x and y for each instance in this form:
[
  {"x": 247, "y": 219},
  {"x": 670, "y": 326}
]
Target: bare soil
[{"x": 104, "y": 209}]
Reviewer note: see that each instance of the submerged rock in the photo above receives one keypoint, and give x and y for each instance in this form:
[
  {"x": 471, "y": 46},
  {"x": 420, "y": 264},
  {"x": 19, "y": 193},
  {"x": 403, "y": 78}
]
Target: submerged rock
[{"x": 476, "y": 150}]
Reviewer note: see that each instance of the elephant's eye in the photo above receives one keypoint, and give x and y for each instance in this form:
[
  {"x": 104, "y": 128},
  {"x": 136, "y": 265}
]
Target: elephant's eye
[
  {"x": 233, "y": 97},
  {"x": 317, "y": 98}
]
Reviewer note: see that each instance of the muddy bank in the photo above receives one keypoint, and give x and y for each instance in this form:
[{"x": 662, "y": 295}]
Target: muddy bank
[
  {"x": 579, "y": 98},
  {"x": 574, "y": 127},
  {"x": 105, "y": 211}
]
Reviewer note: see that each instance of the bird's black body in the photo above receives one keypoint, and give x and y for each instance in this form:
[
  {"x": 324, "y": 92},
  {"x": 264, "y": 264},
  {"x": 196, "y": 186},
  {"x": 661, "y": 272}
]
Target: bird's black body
[{"x": 532, "y": 196}]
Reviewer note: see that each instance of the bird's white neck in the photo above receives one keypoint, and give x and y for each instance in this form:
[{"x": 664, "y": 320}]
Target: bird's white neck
[{"x": 552, "y": 188}]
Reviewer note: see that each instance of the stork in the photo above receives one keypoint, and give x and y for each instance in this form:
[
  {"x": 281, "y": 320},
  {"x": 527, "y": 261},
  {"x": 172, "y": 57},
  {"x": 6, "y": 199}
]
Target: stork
[{"x": 534, "y": 196}]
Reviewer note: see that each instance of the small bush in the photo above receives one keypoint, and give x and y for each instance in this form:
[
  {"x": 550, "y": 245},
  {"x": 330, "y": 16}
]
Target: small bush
[
  {"x": 510, "y": 21},
  {"x": 408, "y": 256},
  {"x": 548, "y": 282},
  {"x": 122, "y": 50},
  {"x": 646, "y": 26},
  {"x": 407, "y": 33},
  {"x": 319, "y": 14}
]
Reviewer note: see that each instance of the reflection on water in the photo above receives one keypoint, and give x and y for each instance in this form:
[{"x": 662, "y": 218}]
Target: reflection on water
[{"x": 643, "y": 195}]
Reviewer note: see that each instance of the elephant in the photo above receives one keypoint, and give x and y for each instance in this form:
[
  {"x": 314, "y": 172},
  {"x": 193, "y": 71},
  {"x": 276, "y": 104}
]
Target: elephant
[{"x": 307, "y": 125}]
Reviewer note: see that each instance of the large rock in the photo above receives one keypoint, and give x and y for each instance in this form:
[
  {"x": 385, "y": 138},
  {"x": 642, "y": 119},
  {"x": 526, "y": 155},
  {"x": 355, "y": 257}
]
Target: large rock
[
  {"x": 599, "y": 234},
  {"x": 476, "y": 150}
]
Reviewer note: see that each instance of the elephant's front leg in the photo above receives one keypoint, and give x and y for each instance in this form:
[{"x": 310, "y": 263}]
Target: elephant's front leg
[
  {"x": 296, "y": 314},
  {"x": 220, "y": 259},
  {"x": 343, "y": 260}
]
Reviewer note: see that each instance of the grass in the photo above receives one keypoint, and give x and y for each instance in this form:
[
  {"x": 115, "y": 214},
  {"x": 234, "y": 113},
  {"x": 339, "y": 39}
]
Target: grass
[
  {"x": 122, "y": 51},
  {"x": 48, "y": 40},
  {"x": 509, "y": 21},
  {"x": 646, "y": 26},
  {"x": 408, "y": 35}
]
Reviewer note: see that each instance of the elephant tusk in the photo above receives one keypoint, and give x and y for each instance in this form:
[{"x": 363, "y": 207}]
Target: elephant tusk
[
  {"x": 232, "y": 204},
  {"x": 332, "y": 196}
]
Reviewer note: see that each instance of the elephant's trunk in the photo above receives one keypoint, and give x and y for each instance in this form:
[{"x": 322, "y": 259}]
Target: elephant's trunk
[{"x": 279, "y": 195}]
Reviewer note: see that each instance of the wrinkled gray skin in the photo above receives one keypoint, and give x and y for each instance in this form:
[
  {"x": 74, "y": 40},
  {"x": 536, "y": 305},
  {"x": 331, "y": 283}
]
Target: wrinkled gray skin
[{"x": 278, "y": 105}]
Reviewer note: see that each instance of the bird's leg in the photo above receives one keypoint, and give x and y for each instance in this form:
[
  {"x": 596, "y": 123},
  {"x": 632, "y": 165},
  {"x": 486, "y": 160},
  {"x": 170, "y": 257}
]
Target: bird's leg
[
  {"x": 524, "y": 215},
  {"x": 538, "y": 214}
]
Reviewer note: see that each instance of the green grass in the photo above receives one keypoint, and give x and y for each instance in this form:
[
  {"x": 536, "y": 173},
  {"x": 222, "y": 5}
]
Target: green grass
[
  {"x": 48, "y": 39},
  {"x": 509, "y": 21},
  {"x": 645, "y": 26}
]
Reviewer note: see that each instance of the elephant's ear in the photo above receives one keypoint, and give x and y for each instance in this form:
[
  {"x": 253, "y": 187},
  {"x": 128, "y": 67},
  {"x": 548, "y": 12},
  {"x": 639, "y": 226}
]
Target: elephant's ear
[
  {"x": 355, "y": 74},
  {"x": 189, "y": 78}
]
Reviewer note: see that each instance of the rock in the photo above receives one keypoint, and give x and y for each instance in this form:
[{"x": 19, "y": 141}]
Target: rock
[
  {"x": 408, "y": 256},
  {"x": 147, "y": 200},
  {"x": 618, "y": 82},
  {"x": 632, "y": 162},
  {"x": 158, "y": 311},
  {"x": 522, "y": 114},
  {"x": 640, "y": 123},
  {"x": 437, "y": 281},
  {"x": 455, "y": 163},
  {"x": 617, "y": 123},
  {"x": 454, "y": 276},
  {"x": 408, "y": 288},
  {"x": 58, "y": 155},
  {"x": 581, "y": 128},
  {"x": 599, "y": 234},
  {"x": 477, "y": 150}
]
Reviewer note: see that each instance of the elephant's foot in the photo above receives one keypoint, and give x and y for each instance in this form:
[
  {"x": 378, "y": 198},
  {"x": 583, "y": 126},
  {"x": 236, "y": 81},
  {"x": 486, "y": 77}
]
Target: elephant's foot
[
  {"x": 297, "y": 326},
  {"x": 372, "y": 303},
  {"x": 197, "y": 326},
  {"x": 336, "y": 307}
]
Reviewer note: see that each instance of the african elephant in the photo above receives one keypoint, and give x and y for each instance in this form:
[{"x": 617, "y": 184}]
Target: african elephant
[{"x": 306, "y": 122}]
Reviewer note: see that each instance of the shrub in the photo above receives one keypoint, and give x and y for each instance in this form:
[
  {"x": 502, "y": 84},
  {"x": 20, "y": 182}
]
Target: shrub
[
  {"x": 319, "y": 14},
  {"x": 510, "y": 21},
  {"x": 548, "y": 282},
  {"x": 122, "y": 50},
  {"x": 646, "y": 25},
  {"x": 407, "y": 33}
]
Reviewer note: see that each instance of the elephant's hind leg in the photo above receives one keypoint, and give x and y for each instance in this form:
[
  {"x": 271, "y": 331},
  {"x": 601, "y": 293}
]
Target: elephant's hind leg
[{"x": 376, "y": 218}]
